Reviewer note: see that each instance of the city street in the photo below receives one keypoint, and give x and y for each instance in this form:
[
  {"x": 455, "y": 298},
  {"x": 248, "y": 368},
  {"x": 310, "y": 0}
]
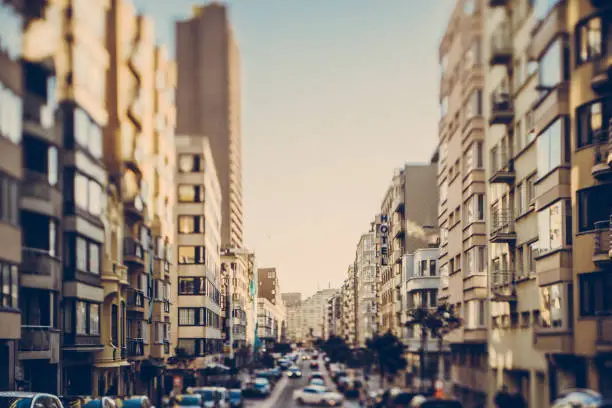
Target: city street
[{"x": 282, "y": 396}]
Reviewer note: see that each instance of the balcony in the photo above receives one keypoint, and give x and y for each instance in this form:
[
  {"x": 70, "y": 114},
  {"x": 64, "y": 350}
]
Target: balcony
[
  {"x": 135, "y": 347},
  {"x": 39, "y": 342},
  {"x": 81, "y": 342},
  {"x": 604, "y": 333},
  {"x": 37, "y": 195},
  {"x": 40, "y": 269},
  {"x": 601, "y": 80},
  {"x": 502, "y": 171},
  {"x": 548, "y": 29},
  {"x": 161, "y": 269},
  {"x": 601, "y": 247},
  {"x": 502, "y": 226},
  {"x": 397, "y": 205},
  {"x": 136, "y": 300},
  {"x": 602, "y": 163},
  {"x": 39, "y": 118},
  {"x": 502, "y": 283},
  {"x": 133, "y": 252},
  {"x": 502, "y": 110},
  {"x": 134, "y": 208},
  {"x": 501, "y": 45}
]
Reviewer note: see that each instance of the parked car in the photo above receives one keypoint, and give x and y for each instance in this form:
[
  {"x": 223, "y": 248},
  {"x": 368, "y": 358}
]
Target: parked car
[
  {"x": 424, "y": 402},
  {"x": 314, "y": 365},
  {"x": 236, "y": 400},
  {"x": 316, "y": 394},
  {"x": 29, "y": 400},
  {"x": 316, "y": 374},
  {"x": 294, "y": 372},
  {"x": 259, "y": 387},
  {"x": 398, "y": 398},
  {"x": 189, "y": 401},
  {"x": 284, "y": 363},
  {"x": 211, "y": 396},
  {"x": 339, "y": 373},
  {"x": 317, "y": 381}
]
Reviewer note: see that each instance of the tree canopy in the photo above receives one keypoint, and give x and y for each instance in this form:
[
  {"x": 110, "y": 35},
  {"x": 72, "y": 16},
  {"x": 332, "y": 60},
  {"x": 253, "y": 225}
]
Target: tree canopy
[{"x": 388, "y": 352}]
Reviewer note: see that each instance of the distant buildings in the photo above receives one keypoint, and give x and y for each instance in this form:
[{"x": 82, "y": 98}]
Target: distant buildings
[{"x": 271, "y": 311}]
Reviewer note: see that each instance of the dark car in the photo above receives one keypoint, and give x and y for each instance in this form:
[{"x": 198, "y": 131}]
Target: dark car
[
  {"x": 339, "y": 374},
  {"x": 314, "y": 365},
  {"x": 401, "y": 399},
  {"x": 435, "y": 403},
  {"x": 10, "y": 399},
  {"x": 235, "y": 398}
]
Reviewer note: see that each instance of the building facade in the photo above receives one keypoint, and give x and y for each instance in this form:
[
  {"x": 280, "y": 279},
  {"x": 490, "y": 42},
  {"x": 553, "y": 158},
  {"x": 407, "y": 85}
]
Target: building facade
[
  {"x": 210, "y": 103},
  {"x": 462, "y": 197},
  {"x": 271, "y": 322},
  {"x": 349, "y": 307},
  {"x": 365, "y": 279},
  {"x": 334, "y": 316},
  {"x": 198, "y": 216}
]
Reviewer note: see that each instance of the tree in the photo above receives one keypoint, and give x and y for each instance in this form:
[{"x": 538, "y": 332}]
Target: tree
[
  {"x": 267, "y": 360},
  {"x": 336, "y": 349},
  {"x": 436, "y": 322},
  {"x": 282, "y": 348},
  {"x": 388, "y": 351}
]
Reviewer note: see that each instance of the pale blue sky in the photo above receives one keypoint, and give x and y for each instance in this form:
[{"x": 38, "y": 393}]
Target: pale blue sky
[{"x": 336, "y": 94}]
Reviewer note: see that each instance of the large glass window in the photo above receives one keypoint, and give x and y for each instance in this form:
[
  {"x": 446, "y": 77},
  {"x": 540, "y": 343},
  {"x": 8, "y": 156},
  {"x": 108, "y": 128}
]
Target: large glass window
[
  {"x": 11, "y": 35},
  {"x": 88, "y": 194},
  {"x": 9, "y": 285},
  {"x": 188, "y": 193},
  {"x": 591, "y": 119},
  {"x": 81, "y": 318},
  {"x": 10, "y": 115},
  {"x": 9, "y": 200},
  {"x": 87, "y": 133},
  {"x": 551, "y": 148},
  {"x": 551, "y": 70},
  {"x": 594, "y": 205},
  {"x": 191, "y": 224},
  {"x": 191, "y": 163},
  {"x": 87, "y": 256},
  {"x": 474, "y": 105},
  {"x": 589, "y": 40},
  {"x": 474, "y": 208},
  {"x": 554, "y": 226},
  {"x": 473, "y": 55},
  {"x": 554, "y": 306},
  {"x": 595, "y": 289},
  {"x": 191, "y": 255},
  {"x": 94, "y": 319}
]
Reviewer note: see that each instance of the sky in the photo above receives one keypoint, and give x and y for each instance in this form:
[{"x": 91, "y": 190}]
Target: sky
[{"x": 336, "y": 95}]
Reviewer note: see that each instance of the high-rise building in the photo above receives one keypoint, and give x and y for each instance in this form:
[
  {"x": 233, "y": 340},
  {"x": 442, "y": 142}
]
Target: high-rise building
[
  {"x": 269, "y": 285},
  {"x": 198, "y": 215},
  {"x": 291, "y": 298},
  {"x": 349, "y": 303},
  {"x": 462, "y": 197},
  {"x": 271, "y": 322},
  {"x": 405, "y": 223},
  {"x": 208, "y": 101},
  {"x": 365, "y": 280}
]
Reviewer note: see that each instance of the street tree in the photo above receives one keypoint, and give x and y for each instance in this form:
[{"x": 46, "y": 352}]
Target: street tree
[
  {"x": 437, "y": 322},
  {"x": 388, "y": 352},
  {"x": 336, "y": 349}
]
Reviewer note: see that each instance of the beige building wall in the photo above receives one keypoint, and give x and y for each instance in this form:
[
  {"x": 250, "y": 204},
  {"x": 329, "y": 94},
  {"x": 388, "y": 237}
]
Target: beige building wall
[{"x": 209, "y": 103}]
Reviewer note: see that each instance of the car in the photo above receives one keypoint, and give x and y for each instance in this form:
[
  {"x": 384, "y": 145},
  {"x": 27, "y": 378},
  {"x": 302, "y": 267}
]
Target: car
[
  {"x": 316, "y": 394},
  {"x": 419, "y": 401},
  {"x": 29, "y": 400},
  {"x": 236, "y": 399},
  {"x": 305, "y": 357},
  {"x": 314, "y": 365},
  {"x": 315, "y": 356},
  {"x": 211, "y": 396},
  {"x": 316, "y": 374},
  {"x": 294, "y": 372},
  {"x": 259, "y": 387},
  {"x": 317, "y": 381},
  {"x": 284, "y": 363},
  {"x": 188, "y": 401},
  {"x": 337, "y": 374}
]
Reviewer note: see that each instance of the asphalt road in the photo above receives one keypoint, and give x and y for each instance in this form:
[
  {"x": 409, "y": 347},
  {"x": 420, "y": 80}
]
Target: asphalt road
[{"x": 282, "y": 396}]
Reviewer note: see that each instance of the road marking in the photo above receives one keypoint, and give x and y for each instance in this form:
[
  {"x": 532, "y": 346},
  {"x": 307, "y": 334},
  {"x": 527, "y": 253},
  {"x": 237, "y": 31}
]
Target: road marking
[{"x": 278, "y": 390}]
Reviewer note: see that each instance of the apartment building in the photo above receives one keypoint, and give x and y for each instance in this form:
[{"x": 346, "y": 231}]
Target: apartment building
[
  {"x": 334, "y": 316},
  {"x": 515, "y": 112},
  {"x": 198, "y": 215},
  {"x": 268, "y": 285},
  {"x": 291, "y": 298},
  {"x": 137, "y": 255},
  {"x": 11, "y": 173},
  {"x": 420, "y": 283},
  {"x": 365, "y": 280},
  {"x": 238, "y": 283},
  {"x": 295, "y": 320},
  {"x": 349, "y": 303},
  {"x": 406, "y": 221},
  {"x": 462, "y": 197},
  {"x": 210, "y": 103},
  {"x": 271, "y": 322}
]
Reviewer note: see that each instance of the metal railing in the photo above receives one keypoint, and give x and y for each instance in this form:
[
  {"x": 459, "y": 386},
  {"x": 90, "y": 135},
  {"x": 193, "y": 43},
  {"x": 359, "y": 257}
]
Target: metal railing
[
  {"x": 501, "y": 276},
  {"x": 603, "y": 236},
  {"x": 36, "y": 185},
  {"x": 501, "y": 39},
  {"x": 135, "y": 347},
  {"x": 36, "y": 109},
  {"x": 135, "y": 298},
  {"x": 604, "y": 330},
  {"x": 502, "y": 221},
  {"x": 501, "y": 100},
  {"x": 35, "y": 338},
  {"x": 602, "y": 145},
  {"x": 38, "y": 262},
  {"x": 133, "y": 248}
]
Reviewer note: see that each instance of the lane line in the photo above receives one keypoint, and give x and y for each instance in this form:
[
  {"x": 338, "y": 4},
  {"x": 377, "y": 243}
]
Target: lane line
[{"x": 278, "y": 390}]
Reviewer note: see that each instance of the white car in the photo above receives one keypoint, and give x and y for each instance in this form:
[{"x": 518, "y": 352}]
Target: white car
[{"x": 318, "y": 395}]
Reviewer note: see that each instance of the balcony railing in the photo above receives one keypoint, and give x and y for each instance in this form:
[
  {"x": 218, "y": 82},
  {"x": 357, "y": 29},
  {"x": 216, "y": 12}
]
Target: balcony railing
[
  {"x": 35, "y": 338},
  {"x": 133, "y": 249},
  {"x": 135, "y": 347},
  {"x": 502, "y": 166},
  {"x": 166, "y": 347},
  {"x": 601, "y": 247},
  {"x": 602, "y": 145},
  {"x": 502, "y": 109},
  {"x": 36, "y": 185},
  {"x": 37, "y": 110},
  {"x": 135, "y": 298},
  {"x": 39, "y": 262},
  {"x": 601, "y": 80},
  {"x": 501, "y": 45},
  {"x": 604, "y": 331},
  {"x": 502, "y": 225}
]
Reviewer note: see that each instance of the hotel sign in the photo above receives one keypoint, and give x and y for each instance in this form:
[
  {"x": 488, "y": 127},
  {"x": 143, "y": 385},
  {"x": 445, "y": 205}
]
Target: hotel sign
[{"x": 382, "y": 239}]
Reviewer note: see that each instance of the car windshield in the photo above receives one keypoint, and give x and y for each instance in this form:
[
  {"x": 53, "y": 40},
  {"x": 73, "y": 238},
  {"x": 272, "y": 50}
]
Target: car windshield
[
  {"x": 207, "y": 395},
  {"x": 15, "y": 402},
  {"x": 188, "y": 400},
  {"x": 260, "y": 382},
  {"x": 235, "y": 393}
]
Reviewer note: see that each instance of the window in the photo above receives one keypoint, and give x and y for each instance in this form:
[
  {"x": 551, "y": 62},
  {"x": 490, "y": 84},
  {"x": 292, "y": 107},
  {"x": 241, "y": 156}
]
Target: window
[
  {"x": 191, "y": 224},
  {"x": 81, "y": 318},
  {"x": 530, "y": 189},
  {"x": 519, "y": 198},
  {"x": 444, "y": 106},
  {"x": 423, "y": 268},
  {"x": 9, "y": 285},
  {"x": 593, "y": 206},
  {"x": 531, "y": 255},
  {"x": 550, "y": 148},
  {"x": 554, "y": 223},
  {"x": 88, "y": 194},
  {"x": 473, "y": 54},
  {"x": 52, "y": 166},
  {"x": 191, "y": 163},
  {"x": 520, "y": 267},
  {"x": 192, "y": 286},
  {"x": 474, "y": 208},
  {"x": 473, "y": 158},
  {"x": 9, "y": 200},
  {"x": 191, "y": 193},
  {"x": 474, "y": 105},
  {"x": 432, "y": 267},
  {"x": 191, "y": 255},
  {"x": 594, "y": 294},
  {"x": 543, "y": 7},
  {"x": 87, "y": 255},
  {"x": 553, "y": 307},
  {"x": 11, "y": 37},
  {"x": 552, "y": 68},
  {"x": 94, "y": 319},
  {"x": 476, "y": 314},
  {"x": 10, "y": 114},
  {"x": 591, "y": 119},
  {"x": 87, "y": 133},
  {"x": 475, "y": 261},
  {"x": 589, "y": 40}
]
